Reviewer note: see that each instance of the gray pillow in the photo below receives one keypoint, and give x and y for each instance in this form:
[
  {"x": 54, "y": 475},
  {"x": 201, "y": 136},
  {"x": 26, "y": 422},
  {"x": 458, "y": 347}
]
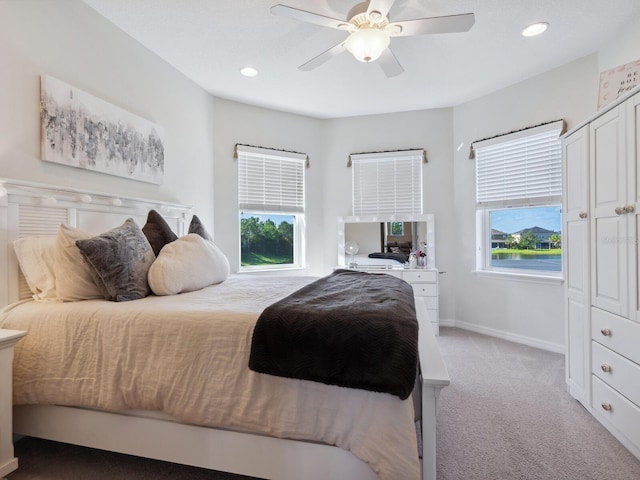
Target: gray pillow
[
  {"x": 158, "y": 231},
  {"x": 196, "y": 226},
  {"x": 120, "y": 261}
]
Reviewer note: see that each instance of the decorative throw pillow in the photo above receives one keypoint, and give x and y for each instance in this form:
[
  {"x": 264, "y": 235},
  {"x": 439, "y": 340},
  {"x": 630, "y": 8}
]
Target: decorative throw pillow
[
  {"x": 157, "y": 231},
  {"x": 120, "y": 261},
  {"x": 196, "y": 226},
  {"x": 74, "y": 277},
  {"x": 36, "y": 257},
  {"x": 190, "y": 263}
]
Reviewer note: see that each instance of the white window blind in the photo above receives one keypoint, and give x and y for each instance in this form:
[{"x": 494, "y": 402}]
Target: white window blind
[
  {"x": 387, "y": 183},
  {"x": 521, "y": 168},
  {"x": 270, "y": 180}
]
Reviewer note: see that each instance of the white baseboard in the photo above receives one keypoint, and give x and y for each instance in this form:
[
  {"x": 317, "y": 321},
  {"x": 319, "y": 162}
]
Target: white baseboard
[{"x": 512, "y": 337}]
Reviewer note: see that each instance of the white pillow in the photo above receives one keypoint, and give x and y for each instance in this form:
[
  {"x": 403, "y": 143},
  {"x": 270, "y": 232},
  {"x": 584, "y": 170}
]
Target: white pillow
[
  {"x": 187, "y": 264},
  {"x": 36, "y": 257},
  {"x": 74, "y": 277}
]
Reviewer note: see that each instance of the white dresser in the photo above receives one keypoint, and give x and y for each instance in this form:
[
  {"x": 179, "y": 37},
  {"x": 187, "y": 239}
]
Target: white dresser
[
  {"x": 424, "y": 282},
  {"x": 601, "y": 241}
]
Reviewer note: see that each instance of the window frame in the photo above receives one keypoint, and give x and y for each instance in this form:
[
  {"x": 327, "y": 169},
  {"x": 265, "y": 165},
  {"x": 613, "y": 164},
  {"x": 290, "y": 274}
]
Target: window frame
[
  {"x": 293, "y": 207},
  {"x": 484, "y": 209}
]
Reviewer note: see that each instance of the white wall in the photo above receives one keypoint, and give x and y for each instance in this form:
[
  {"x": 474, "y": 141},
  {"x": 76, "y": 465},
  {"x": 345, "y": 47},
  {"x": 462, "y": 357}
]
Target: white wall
[
  {"x": 428, "y": 129},
  {"x": 240, "y": 123},
  {"x": 515, "y": 308},
  {"x": 623, "y": 49},
  {"x": 68, "y": 40},
  {"x": 528, "y": 312}
]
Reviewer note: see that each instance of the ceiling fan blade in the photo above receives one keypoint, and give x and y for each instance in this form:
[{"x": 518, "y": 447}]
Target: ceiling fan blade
[
  {"x": 382, "y": 6},
  {"x": 323, "y": 57},
  {"x": 421, "y": 26},
  {"x": 390, "y": 64},
  {"x": 309, "y": 17}
]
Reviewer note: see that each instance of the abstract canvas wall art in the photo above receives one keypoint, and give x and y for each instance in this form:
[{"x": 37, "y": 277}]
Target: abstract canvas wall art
[{"x": 83, "y": 131}]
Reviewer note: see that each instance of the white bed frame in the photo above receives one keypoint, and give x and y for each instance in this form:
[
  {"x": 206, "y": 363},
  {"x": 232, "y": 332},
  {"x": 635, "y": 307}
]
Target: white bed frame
[{"x": 35, "y": 209}]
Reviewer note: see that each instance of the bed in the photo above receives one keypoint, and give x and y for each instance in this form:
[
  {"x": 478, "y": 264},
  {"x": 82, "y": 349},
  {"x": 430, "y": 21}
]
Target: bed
[
  {"x": 376, "y": 260},
  {"x": 244, "y": 430}
]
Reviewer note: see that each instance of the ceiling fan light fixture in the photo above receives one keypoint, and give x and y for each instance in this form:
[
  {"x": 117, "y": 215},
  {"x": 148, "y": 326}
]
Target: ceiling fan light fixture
[
  {"x": 367, "y": 43},
  {"x": 375, "y": 16},
  {"x": 394, "y": 29}
]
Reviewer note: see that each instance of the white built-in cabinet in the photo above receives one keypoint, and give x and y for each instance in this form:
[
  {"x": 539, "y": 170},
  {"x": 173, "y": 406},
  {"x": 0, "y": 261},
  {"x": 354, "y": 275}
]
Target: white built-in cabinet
[
  {"x": 601, "y": 239},
  {"x": 576, "y": 258}
]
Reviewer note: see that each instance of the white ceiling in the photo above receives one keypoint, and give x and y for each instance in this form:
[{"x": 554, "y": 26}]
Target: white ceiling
[{"x": 210, "y": 40}]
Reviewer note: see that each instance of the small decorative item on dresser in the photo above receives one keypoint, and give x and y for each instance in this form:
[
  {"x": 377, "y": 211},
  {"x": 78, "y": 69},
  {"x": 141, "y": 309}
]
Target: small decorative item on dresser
[
  {"x": 413, "y": 260},
  {"x": 421, "y": 258},
  {"x": 352, "y": 247}
]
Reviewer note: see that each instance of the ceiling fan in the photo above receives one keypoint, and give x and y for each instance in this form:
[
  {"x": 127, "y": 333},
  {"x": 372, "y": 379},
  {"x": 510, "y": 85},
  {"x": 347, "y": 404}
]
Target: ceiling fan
[{"x": 370, "y": 32}]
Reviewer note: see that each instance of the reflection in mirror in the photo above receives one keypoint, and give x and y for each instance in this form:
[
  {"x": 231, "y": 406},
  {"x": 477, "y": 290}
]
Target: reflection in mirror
[{"x": 387, "y": 243}]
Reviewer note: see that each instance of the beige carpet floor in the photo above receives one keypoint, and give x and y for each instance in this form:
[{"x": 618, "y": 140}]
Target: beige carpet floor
[{"x": 505, "y": 416}]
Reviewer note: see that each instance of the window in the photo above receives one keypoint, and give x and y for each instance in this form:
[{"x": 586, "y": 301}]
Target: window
[
  {"x": 518, "y": 197},
  {"x": 387, "y": 183},
  {"x": 271, "y": 208}
]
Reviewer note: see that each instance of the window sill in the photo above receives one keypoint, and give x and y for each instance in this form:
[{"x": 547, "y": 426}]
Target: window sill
[
  {"x": 272, "y": 270},
  {"x": 521, "y": 277}
]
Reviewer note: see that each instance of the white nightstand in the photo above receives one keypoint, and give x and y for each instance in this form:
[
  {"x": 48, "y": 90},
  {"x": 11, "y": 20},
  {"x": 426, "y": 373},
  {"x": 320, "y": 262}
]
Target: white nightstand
[{"x": 8, "y": 338}]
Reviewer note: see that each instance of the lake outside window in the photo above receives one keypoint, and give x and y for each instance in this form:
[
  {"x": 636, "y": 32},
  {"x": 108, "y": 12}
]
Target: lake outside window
[{"x": 526, "y": 238}]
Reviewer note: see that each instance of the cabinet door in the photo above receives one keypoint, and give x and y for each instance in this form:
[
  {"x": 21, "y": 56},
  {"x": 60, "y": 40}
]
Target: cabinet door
[
  {"x": 609, "y": 238},
  {"x": 575, "y": 254},
  {"x": 633, "y": 157}
]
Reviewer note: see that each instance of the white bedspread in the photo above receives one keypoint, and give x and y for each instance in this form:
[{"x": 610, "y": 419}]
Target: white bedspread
[{"x": 187, "y": 355}]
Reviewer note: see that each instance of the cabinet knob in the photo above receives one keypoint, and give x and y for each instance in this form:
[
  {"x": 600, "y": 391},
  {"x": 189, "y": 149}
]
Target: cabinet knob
[
  {"x": 629, "y": 209},
  {"x": 606, "y": 332},
  {"x": 619, "y": 210},
  {"x": 582, "y": 214},
  {"x": 605, "y": 367},
  {"x": 606, "y": 406}
]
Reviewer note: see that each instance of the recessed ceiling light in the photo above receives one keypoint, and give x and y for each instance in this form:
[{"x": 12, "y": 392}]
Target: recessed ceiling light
[
  {"x": 249, "y": 71},
  {"x": 535, "y": 29}
]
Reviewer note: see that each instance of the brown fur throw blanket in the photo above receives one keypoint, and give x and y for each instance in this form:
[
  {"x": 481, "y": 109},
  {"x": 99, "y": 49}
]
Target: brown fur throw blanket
[{"x": 352, "y": 329}]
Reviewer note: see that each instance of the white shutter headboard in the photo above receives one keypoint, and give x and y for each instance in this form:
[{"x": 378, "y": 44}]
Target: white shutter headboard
[{"x": 32, "y": 209}]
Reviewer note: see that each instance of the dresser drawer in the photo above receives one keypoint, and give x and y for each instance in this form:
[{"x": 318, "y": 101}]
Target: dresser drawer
[
  {"x": 393, "y": 273},
  {"x": 618, "y": 372},
  {"x": 609, "y": 405},
  {"x": 430, "y": 303},
  {"x": 420, "y": 276},
  {"x": 616, "y": 333},
  {"x": 425, "y": 289}
]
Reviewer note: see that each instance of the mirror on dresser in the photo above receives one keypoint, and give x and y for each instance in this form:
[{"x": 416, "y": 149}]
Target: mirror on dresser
[{"x": 385, "y": 241}]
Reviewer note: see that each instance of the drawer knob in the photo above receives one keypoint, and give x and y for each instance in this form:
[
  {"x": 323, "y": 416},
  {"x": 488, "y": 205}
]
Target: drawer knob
[
  {"x": 605, "y": 367},
  {"x": 582, "y": 214},
  {"x": 606, "y": 332},
  {"x": 606, "y": 406},
  {"x": 619, "y": 210}
]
